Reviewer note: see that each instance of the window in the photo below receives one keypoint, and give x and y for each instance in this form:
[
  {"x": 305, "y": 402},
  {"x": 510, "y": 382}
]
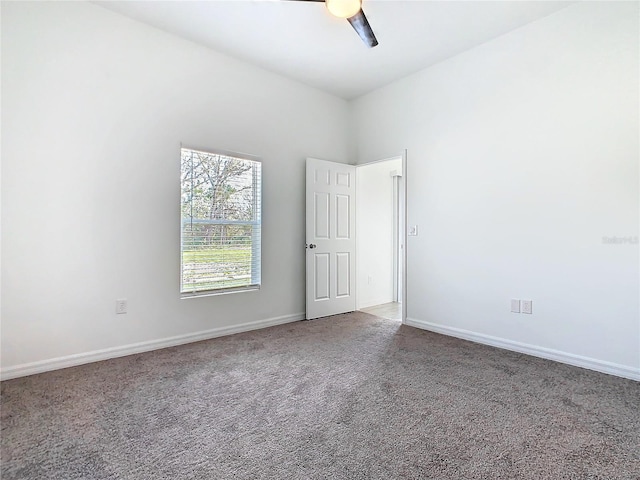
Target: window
[{"x": 221, "y": 222}]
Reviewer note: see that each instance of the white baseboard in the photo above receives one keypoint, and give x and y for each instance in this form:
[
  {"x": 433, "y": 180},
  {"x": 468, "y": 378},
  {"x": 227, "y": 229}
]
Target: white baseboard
[
  {"x": 373, "y": 303},
  {"x": 114, "y": 352},
  {"x": 536, "y": 351}
]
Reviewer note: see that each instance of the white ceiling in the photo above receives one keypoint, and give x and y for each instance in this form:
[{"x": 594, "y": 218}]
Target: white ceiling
[{"x": 302, "y": 41}]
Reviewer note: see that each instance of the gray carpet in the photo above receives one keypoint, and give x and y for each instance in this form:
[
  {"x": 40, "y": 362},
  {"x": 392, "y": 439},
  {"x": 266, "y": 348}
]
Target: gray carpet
[{"x": 347, "y": 397}]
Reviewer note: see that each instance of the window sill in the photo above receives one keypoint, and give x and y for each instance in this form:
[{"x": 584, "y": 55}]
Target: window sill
[{"x": 215, "y": 293}]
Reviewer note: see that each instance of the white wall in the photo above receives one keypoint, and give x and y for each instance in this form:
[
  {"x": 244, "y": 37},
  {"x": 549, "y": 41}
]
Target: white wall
[
  {"x": 94, "y": 107},
  {"x": 374, "y": 232},
  {"x": 522, "y": 155}
]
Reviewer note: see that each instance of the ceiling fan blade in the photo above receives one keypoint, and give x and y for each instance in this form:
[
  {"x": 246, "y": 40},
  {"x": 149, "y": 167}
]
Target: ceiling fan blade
[{"x": 361, "y": 25}]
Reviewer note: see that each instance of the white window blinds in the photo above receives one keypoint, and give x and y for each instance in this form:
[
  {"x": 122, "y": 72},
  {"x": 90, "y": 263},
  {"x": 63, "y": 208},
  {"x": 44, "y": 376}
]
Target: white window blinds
[{"x": 221, "y": 222}]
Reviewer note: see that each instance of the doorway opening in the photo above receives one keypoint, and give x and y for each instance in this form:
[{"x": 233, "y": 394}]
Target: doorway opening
[{"x": 380, "y": 238}]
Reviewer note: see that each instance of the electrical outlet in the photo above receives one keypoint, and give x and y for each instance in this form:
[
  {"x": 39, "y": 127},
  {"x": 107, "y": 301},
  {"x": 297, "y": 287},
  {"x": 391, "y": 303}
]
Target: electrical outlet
[
  {"x": 527, "y": 306},
  {"x": 515, "y": 305},
  {"x": 413, "y": 231},
  {"x": 121, "y": 305}
]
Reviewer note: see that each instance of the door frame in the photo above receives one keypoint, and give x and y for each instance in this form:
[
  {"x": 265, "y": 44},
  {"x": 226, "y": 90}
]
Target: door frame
[
  {"x": 405, "y": 203},
  {"x": 398, "y": 243}
]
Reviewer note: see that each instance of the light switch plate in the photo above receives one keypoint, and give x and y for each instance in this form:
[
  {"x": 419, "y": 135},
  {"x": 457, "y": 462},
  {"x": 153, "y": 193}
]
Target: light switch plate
[{"x": 121, "y": 306}]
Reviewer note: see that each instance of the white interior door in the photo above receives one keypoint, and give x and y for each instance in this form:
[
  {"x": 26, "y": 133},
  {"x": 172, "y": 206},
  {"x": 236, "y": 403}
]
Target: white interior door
[{"x": 331, "y": 246}]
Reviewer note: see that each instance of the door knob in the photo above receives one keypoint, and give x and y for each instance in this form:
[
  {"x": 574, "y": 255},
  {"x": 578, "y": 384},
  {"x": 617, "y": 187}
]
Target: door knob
[{"x": 312, "y": 245}]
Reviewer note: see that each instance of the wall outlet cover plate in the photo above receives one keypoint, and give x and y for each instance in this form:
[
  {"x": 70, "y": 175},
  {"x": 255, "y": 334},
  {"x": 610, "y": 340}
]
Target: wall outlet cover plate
[{"x": 515, "y": 305}]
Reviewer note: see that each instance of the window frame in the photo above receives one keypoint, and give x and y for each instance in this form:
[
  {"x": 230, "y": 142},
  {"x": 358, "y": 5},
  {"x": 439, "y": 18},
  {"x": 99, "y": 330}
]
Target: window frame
[{"x": 256, "y": 274}]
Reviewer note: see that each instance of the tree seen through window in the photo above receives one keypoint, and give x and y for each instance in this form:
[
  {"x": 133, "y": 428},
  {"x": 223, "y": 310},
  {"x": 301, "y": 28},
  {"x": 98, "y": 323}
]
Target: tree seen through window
[{"x": 220, "y": 213}]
